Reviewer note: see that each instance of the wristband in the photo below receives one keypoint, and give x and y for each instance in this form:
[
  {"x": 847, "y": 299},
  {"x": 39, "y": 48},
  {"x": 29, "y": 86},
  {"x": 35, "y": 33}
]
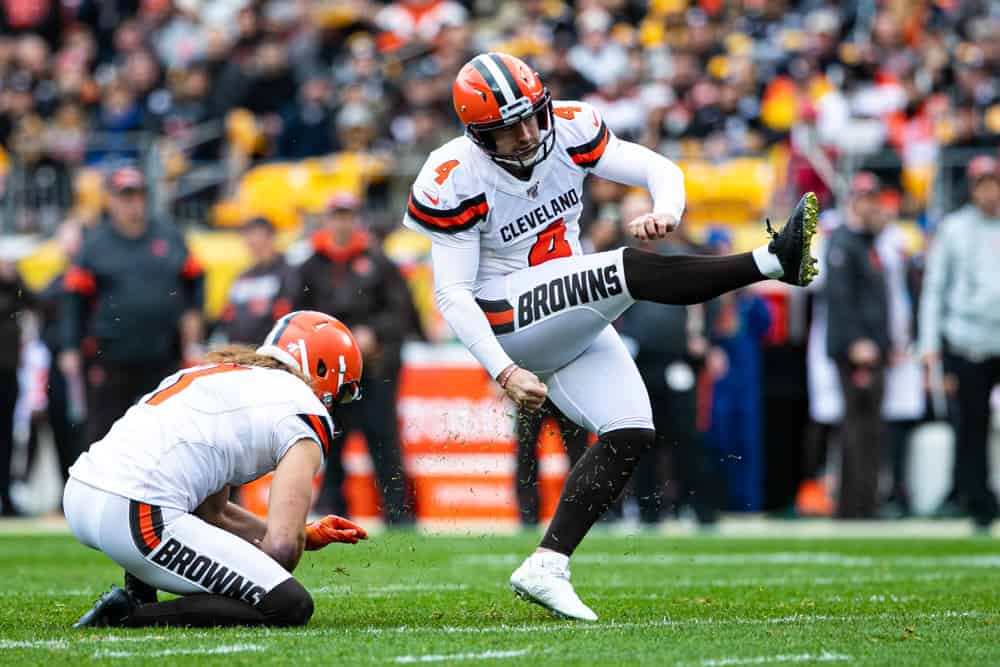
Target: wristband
[{"x": 505, "y": 376}]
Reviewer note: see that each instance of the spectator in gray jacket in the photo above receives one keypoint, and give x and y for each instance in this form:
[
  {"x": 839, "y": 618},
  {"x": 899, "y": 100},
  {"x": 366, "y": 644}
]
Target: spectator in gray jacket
[{"x": 960, "y": 318}]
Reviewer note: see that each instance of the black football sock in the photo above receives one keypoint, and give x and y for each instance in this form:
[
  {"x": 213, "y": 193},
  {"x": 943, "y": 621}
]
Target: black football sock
[
  {"x": 286, "y": 604},
  {"x": 686, "y": 279},
  {"x": 141, "y": 592},
  {"x": 196, "y": 611},
  {"x": 594, "y": 483}
]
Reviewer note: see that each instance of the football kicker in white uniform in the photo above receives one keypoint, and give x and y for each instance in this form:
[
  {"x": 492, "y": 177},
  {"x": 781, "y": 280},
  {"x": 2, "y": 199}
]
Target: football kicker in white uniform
[{"x": 502, "y": 206}]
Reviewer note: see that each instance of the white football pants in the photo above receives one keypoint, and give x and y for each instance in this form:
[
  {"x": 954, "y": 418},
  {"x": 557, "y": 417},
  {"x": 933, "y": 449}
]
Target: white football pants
[
  {"x": 555, "y": 320},
  {"x": 169, "y": 549}
]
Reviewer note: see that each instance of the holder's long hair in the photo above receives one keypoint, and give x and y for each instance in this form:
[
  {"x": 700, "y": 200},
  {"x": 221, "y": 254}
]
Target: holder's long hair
[{"x": 244, "y": 355}]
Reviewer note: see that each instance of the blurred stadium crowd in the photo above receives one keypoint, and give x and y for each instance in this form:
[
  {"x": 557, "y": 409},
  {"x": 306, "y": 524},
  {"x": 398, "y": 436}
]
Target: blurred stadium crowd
[{"x": 309, "y": 119}]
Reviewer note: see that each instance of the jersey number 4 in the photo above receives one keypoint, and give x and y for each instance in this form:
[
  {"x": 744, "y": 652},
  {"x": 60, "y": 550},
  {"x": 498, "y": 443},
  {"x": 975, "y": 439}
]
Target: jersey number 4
[
  {"x": 551, "y": 244},
  {"x": 569, "y": 113},
  {"x": 443, "y": 170},
  {"x": 186, "y": 379}
]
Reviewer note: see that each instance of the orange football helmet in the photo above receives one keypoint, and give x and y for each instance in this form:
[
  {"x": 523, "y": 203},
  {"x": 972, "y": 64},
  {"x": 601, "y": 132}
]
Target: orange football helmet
[
  {"x": 323, "y": 349},
  {"x": 495, "y": 90}
]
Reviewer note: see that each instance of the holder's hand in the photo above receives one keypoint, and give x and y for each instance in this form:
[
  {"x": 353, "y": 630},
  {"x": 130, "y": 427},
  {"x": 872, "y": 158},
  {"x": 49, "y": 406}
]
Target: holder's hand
[{"x": 333, "y": 528}]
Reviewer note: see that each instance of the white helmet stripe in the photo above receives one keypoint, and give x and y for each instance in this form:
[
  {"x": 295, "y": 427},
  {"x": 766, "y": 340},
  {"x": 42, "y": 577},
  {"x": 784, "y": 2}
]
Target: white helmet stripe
[
  {"x": 343, "y": 369},
  {"x": 304, "y": 355},
  {"x": 278, "y": 329},
  {"x": 501, "y": 80}
]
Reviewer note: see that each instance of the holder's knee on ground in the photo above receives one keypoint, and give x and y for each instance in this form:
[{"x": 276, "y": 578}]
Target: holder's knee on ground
[{"x": 288, "y": 604}]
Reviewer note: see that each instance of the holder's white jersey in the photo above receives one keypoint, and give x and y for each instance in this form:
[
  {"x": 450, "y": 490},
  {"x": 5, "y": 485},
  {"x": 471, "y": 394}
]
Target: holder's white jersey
[{"x": 202, "y": 429}]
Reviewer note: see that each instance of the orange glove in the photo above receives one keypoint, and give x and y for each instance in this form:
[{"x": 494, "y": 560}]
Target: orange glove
[{"x": 332, "y": 528}]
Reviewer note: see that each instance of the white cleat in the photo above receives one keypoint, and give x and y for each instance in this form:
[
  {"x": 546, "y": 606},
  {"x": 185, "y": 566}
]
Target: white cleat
[{"x": 543, "y": 578}]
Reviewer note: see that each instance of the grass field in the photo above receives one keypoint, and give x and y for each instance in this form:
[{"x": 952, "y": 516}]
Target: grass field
[{"x": 405, "y": 598}]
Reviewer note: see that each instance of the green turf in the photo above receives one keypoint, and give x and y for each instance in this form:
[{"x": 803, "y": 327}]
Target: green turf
[{"x": 403, "y": 598}]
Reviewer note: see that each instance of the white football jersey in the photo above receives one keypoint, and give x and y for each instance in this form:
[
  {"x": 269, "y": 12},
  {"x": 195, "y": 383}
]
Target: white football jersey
[
  {"x": 461, "y": 191},
  {"x": 202, "y": 429}
]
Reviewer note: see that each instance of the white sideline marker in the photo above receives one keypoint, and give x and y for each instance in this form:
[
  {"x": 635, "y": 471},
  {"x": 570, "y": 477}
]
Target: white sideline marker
[
  {"x": 825, "y": 656},
  {"x": 114, "y": 639},
  {"x": 666, "y": 623},
  {"x": 778, "y": 558},
  {"x": 486, "y": 655},
  {"x": 51, "y": 592},
  {"x": 218, "y": 650},
  {"x": 266, "y": 634},
  {"x": 694, "y": 582},
  {"x": 39, "y": 643}
]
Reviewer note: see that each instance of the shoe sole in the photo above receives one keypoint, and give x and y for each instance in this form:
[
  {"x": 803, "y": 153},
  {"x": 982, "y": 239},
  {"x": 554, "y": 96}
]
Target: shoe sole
[
  {"x": 810, "y": 216},
  {"x": 528, "y": 597}
]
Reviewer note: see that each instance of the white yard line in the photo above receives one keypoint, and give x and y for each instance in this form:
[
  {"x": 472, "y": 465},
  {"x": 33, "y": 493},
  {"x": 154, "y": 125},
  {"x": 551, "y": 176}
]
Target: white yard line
[
  {"x": 825, "y": 656},
  {"x": 780, "y": 558},
  {"x": 486, "y": 655},
  {"x": 114, "y": 639},
  {"x": 218, "y": 650},
  {"x": 40, "y": 643},
  {"x": 666, "y": 623},
  {"x": 259, "y": 635},
  {"x": 804, "y": 580},
  {"x": 51, "y": 592}
]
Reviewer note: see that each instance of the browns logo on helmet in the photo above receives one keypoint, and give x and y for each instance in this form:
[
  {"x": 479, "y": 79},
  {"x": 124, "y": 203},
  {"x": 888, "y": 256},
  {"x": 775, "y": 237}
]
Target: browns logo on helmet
[
  {"x": 496, "y": 90},
  {"x": 324, "y": 349}
]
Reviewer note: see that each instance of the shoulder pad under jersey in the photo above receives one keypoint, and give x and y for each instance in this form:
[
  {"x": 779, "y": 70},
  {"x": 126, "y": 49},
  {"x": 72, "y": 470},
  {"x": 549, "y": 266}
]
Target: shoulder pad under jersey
[
  {"x": 581, "y": 132},
  {"x": 446, "y": 196}
]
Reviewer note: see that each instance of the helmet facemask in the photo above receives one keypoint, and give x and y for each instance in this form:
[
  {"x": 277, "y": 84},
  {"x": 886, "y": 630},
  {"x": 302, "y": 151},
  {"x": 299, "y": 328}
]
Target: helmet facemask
[
  {"x": 518, "y": 111},
  {"x": 348, "y": 390}
]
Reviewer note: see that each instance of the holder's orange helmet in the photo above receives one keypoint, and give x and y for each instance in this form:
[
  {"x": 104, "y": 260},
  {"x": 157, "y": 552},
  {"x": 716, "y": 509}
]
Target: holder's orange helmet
[
  {"x": 495, "y": 90},
  {"x": 323, "y": 349}
]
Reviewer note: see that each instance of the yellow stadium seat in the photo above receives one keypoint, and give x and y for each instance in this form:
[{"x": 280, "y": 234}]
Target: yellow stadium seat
[
  {"x": 42, "y": 265},
  {"x": 737, "y": 190},
  {"x": 224, "y": 256},
  {"x": 284, "y": 192}
]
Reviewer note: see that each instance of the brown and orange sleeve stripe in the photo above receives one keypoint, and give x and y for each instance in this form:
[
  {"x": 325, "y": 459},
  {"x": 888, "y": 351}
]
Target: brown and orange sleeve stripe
[
  {"x": 589, "y": 154},
  {"x": 499, "y": 313},
  {"x": 466, "y": 215},
  {"x": 320, "y": 426}
]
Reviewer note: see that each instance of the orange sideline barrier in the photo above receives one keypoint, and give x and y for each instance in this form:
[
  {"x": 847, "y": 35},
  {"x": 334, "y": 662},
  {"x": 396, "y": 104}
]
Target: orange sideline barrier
[{"x": 458, "y": 448}]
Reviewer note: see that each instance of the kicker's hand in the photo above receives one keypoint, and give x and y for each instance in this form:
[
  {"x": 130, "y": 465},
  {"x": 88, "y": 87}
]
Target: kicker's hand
[
  {"x": 651, "y": 226},
  {"x": 333, "y": 528},
  {"x": 524, "y": 388}
]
